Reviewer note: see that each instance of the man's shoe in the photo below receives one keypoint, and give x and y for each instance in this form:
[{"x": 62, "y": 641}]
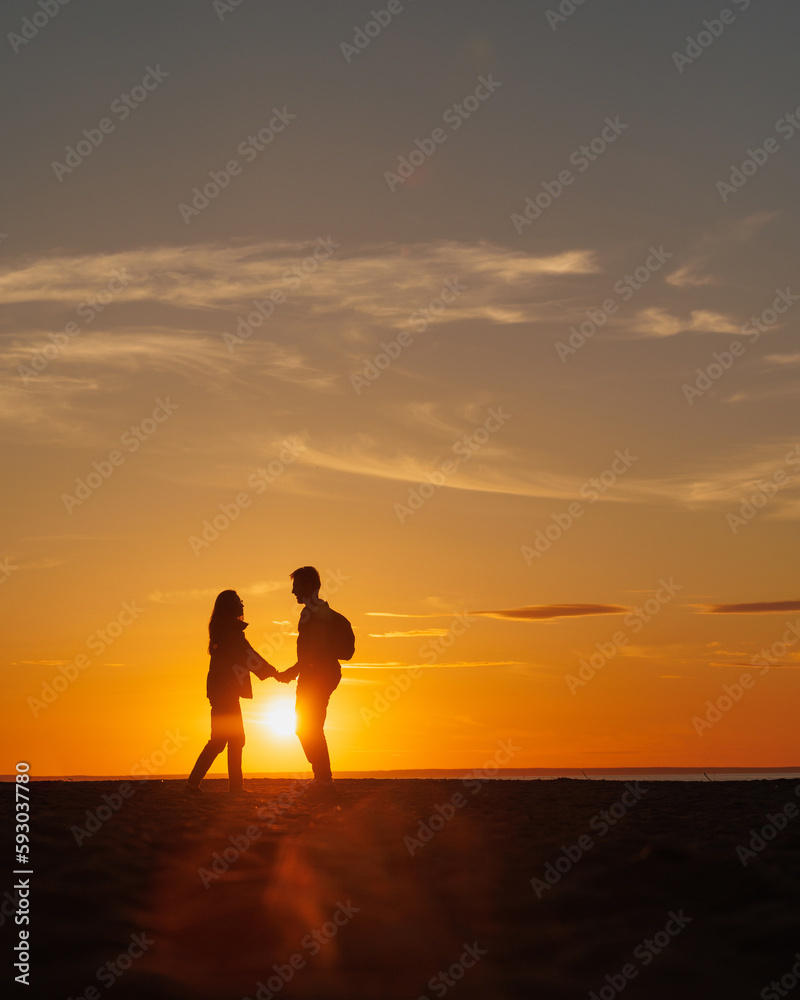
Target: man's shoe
[
  {"x": 321, "y": 789},
  {"x": 192, "y": 790}
]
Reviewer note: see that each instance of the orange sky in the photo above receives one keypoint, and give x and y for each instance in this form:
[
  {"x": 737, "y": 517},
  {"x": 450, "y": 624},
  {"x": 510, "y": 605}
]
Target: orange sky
[{"x": 500, "y": 430}]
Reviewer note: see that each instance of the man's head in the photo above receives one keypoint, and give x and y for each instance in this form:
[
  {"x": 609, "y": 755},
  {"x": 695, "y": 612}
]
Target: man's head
[{"x": 305, "y": 584}]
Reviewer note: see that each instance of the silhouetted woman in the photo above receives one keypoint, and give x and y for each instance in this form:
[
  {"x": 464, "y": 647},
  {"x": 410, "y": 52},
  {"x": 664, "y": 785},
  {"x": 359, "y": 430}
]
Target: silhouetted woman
[{"x": 232, "y": 660}]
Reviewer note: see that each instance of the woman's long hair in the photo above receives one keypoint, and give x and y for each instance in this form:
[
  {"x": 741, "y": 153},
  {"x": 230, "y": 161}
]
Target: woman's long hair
[{"x": 227, "y": 608}]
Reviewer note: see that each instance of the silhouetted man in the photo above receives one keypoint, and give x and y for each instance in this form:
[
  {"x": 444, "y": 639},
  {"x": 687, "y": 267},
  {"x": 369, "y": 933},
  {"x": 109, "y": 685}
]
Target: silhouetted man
[{"x": 323, "y": 638}]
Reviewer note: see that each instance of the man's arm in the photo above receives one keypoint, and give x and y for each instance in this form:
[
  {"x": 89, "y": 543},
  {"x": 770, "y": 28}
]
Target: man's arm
[{"x": 288, "y": 675}]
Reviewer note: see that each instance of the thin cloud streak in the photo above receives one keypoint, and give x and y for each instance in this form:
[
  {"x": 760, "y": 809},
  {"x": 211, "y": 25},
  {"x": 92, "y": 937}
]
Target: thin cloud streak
[
  {"x": 410, "y": 634},
  {"x": 754, "y": 608},
  {"x": 394, "y": 665},
  {"x": 376, "y": 280},
  {"x": 204, "y": 593},
  {"x": 709, "y": 246},
  {"x": 540, "y": 612}
]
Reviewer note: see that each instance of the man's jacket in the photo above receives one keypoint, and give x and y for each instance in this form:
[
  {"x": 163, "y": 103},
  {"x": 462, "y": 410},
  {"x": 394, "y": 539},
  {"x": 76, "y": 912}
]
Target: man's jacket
[{"x": 323, "y": 638}]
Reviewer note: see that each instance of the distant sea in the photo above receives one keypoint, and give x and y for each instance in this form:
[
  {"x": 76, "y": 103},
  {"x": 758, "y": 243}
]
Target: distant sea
[{"x": 513, "y": 773}]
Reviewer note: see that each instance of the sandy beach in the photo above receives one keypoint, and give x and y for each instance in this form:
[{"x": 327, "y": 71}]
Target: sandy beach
[{"x": 413, "y": 888}]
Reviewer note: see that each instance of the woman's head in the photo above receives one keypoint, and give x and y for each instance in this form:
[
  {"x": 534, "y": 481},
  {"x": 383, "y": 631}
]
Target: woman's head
[
  {"x": 228, "y": 604},
  {"x": 228, "y": 608}
]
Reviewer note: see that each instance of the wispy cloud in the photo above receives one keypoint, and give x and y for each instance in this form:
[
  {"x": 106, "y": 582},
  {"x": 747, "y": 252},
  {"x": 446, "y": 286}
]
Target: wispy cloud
[
  {"x": 366, "y": 455},
  {"x": 62, "y": 402},
  {"x": 376, "y": 280},
  {"x": 412, "y": 633},
  {"x": 784, "y": 360},
  {"x": 540, "y": 612},
  {"x": 257, "y": 589},
  {"x": 710, "y": 246},
  {"x": 755, "y": 608},
  {"x": 513, "y": 470},
  {"x": 400, "y": 614},
  {"x": 726, "y": 479},
  {"x": 186, "y": 352},
  {"x": 394, "y": 665},
  {"x": 659, "y": 322}
]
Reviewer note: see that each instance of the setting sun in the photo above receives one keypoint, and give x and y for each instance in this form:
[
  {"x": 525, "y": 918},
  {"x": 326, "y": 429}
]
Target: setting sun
[{"x": 280, "y": 719}]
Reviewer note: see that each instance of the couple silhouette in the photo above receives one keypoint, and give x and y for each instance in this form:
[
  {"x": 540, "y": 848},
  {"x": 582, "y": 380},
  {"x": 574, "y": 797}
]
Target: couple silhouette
[{"x": 323, "y": 638}]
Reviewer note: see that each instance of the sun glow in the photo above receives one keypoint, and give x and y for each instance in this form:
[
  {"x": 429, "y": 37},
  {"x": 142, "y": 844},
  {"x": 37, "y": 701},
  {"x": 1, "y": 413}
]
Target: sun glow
[{"x": 281, "y": 720}]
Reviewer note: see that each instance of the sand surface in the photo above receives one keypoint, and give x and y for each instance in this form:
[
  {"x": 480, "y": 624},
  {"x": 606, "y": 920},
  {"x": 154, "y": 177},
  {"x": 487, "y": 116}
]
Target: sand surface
[{"x": 346, "y": 905}]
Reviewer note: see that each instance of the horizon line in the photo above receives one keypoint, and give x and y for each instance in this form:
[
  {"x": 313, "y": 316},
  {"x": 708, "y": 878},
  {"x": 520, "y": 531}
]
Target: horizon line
[{"x": 435, "y": 771}]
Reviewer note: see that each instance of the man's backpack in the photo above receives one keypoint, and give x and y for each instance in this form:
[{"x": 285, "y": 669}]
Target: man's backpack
[{"x": 342, "y": 639}]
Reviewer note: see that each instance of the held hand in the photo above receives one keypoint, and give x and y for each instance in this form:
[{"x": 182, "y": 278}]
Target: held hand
[{"x": 266, "y": 671}]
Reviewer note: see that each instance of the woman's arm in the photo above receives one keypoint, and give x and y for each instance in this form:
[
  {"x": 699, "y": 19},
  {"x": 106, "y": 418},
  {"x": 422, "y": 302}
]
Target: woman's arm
[{"x": 256, "y": 663}]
